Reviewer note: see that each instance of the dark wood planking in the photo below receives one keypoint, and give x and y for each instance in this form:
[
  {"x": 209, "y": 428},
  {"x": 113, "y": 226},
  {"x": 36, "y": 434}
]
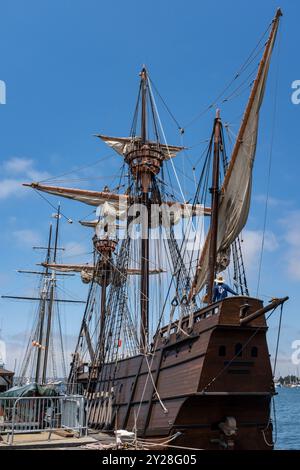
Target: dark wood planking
[{"x": 187, "y": 369}]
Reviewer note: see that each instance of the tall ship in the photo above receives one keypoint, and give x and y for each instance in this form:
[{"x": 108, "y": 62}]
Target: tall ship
[
  {"x": 158, "y": 353},
  {"x": 44, "y": 357}
]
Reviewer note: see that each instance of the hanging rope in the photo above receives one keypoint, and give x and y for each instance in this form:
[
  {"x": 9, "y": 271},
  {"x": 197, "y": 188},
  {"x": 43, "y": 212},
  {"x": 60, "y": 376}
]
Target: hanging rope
[{"x": 277, "y": 342}]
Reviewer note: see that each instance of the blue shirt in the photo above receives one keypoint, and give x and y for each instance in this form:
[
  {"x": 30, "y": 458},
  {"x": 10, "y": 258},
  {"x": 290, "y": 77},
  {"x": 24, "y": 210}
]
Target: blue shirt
[{"x": 221, "y": 290}]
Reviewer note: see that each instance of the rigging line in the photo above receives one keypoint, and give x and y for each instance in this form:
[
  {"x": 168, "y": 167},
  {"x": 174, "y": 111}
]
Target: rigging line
[
  {"x": 66, "y": 291},
  {"x": 156, "y": 336},
  {"x": 270, "y": 163},
  {"x": 234, "y": 93},
  {"x": 277, "y": 342},
  {"x": 52, "y": 205},
  {"x": 88, "y": 178},
  {"x": 204, "y": 141},
  {"x": 164, "y": 137},
  {"x": 237, "y": 75},
  {"x": 165, "y": 105},
  {"x": 236, "y": 355},
  {"x": 97, "y": 162}
]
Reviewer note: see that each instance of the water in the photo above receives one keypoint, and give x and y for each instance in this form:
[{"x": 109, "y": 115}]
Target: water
[{"x": 287, "y": 405}]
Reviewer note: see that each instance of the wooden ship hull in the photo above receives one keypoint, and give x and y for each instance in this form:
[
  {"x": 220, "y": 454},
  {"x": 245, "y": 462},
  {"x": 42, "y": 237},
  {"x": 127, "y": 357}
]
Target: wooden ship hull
[{"x": 217, "y": 369}]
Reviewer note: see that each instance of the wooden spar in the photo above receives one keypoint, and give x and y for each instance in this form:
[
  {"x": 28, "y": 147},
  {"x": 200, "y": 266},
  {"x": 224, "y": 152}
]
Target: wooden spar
[
  {"x": 95, "y": 196},
  {"x": 215, "y": 209},
  {"x": 50, "y": 304},
  {"x": 275, "y": 303},
  {"x": 40, "y": 273},
  {"x": 69, "y": 192},
  {"x": 239, "y": 139},
  {"x": 92, "y": 268},
  {"x": 144, "y": 299},
  {"x": 16, "y": 297},
  {"x": 42, "y": 313}
]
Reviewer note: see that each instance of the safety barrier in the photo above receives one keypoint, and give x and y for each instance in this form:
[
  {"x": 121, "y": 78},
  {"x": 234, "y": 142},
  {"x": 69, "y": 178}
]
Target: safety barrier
[{"x": 37, "y": 414}]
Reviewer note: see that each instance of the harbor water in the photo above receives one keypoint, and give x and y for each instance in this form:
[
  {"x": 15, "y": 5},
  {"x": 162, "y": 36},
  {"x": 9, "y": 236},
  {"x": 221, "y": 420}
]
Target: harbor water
[{"x": 287, "y": 411}]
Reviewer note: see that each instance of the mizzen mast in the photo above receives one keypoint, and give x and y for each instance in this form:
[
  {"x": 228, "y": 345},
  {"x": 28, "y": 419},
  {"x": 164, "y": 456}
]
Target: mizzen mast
[{"x": 215, "y": 192}]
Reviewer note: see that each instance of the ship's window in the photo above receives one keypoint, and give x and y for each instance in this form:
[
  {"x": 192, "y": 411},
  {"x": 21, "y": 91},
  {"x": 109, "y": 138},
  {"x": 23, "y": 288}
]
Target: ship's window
[
  {"x": 254, "y": 351},
  {"x": 238, "y": 349},
  {"x": 222, "y": 351}
]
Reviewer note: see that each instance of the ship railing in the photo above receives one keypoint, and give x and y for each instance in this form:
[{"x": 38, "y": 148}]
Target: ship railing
[
  {"x": 25, "y": 415},
  {"x": 199, "y": 315}
]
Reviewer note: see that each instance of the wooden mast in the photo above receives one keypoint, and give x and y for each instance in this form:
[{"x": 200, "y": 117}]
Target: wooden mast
[
  {"x": 145, "y": 182},
  {"x": 42, "y": 311},
  {"x": 50, "y": 308},
  {"x": 215, "y": 192}
]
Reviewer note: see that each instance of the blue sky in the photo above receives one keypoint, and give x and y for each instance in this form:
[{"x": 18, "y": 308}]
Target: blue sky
[{"x": 71, "y": 70}]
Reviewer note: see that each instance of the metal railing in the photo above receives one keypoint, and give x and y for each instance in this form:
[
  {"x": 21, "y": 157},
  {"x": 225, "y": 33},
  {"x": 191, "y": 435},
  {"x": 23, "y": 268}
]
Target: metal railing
[{"x": 42, "y": 414}]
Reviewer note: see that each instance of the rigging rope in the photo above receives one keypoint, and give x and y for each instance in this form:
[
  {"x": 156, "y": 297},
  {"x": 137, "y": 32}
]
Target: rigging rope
[{"x": 245, "y": 65}]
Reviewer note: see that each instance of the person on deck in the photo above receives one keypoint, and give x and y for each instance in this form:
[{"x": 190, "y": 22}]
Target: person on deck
[{"x": 221, "y": 289}]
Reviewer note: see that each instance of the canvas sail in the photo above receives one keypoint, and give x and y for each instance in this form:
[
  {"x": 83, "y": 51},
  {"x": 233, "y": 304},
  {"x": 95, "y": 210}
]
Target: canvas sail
[
  {"x": 123, "y": 145},
  {"x": 113, "y": 204},
  {"x": 236, "y": 190}
]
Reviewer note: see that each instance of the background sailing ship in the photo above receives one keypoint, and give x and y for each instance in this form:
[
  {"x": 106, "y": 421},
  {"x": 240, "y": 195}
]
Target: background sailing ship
[{"x": 155, "y": 353}]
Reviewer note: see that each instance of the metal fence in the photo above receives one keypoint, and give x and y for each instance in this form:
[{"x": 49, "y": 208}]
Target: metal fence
[{"x": 37, "y": 414}]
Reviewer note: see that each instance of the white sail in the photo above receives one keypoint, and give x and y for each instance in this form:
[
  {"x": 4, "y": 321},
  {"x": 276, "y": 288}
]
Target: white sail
[
  {"x": 236, "y": 190},
  {"x": 122, "y": 145},
  {"x": 112, "y": 204}
]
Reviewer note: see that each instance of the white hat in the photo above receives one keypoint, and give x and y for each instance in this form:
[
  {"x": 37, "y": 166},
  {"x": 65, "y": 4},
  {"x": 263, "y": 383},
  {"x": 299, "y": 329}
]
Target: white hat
[{"x": 219, "y": 279}]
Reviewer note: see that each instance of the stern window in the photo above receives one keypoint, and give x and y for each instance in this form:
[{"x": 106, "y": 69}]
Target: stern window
[{"x": 238, "y": 349}]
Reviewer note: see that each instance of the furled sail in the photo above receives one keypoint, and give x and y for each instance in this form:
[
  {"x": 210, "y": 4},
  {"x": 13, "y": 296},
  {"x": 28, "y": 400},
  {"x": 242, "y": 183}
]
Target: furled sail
[
  {"x": 122, "y": 145},
  {"x": 114, "y": 204},
  {"x": 70, "y": 267},
  {"x": 236, "y": 190},
  {"x": 79, "y": 268},
  {"x": 92, "y": 198}
]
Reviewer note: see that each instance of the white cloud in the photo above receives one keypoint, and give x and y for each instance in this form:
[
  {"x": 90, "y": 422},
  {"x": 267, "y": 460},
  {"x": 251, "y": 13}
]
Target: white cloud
[
  {"x": 291, "y": 224},
  {"x": 252, "y": 243},
  {"x": 272, "y": 201},
  {"x": 10, "y": 187},
  {"x": 16, "y": 171},
  {"x": 27, "y": 237},
  {"x": 16, "y": 165},
  {"x": 76, "y": 249}
]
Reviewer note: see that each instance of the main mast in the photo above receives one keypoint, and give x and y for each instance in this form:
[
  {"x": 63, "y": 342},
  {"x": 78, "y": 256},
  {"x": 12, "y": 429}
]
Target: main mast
[{"x": 145, "y": 183}]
